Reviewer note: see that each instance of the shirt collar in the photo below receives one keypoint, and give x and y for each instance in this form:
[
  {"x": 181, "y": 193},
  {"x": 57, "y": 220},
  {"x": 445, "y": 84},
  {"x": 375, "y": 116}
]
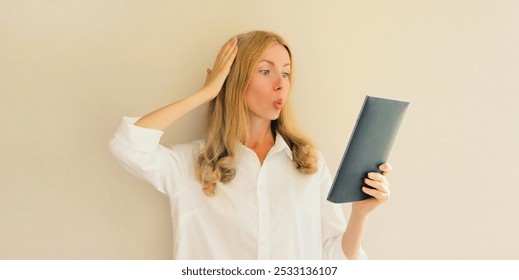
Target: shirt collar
[{"x": 281, "y": 145}]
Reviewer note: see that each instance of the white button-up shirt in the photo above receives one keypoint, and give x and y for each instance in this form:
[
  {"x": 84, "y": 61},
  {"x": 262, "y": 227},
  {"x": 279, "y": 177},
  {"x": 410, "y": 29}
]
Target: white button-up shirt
[{"x": 268, "y": 211}]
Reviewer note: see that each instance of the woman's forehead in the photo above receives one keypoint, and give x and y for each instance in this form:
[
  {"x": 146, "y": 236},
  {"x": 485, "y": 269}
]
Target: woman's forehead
[{"x": 276, "y": 55}]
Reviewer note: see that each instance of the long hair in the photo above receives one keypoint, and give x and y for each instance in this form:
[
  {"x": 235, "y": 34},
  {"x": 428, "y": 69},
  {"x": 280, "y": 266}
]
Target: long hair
[{"x": 228, "y": 117}]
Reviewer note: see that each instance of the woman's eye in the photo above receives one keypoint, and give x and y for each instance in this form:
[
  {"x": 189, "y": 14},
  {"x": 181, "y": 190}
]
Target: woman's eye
[
  {"x": 285, "y": 75},
  {"x": 264, "y": 72}
]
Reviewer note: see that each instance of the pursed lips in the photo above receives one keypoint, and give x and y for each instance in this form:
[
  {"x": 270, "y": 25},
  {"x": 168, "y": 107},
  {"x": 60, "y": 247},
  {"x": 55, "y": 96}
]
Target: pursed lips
[{"x": 278, "y": 103}]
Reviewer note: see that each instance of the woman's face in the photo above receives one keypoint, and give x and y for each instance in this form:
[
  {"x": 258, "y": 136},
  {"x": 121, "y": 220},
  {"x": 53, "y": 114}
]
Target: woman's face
[{"x": 269, "y": 84}]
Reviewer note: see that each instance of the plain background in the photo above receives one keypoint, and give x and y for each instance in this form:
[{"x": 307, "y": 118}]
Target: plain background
[{"x": 69, "y": 71}]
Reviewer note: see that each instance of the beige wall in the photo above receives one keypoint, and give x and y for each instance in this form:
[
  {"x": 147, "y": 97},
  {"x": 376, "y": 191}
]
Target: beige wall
[{"x": 69, "y": 70}]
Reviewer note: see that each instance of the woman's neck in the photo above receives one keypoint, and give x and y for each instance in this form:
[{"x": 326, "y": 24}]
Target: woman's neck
[
  {"x": 260, "y": 133},
  {"x": 260, "y": 139}
]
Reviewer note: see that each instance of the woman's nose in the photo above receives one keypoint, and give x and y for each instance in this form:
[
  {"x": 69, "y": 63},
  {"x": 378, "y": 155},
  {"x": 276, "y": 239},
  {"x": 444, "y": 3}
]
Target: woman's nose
[{"x": 280, "y": 83}]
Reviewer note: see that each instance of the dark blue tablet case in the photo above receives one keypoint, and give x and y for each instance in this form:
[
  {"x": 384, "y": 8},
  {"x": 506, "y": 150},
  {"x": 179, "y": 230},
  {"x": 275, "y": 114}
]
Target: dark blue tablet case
[{"x": 369, "y": 147}]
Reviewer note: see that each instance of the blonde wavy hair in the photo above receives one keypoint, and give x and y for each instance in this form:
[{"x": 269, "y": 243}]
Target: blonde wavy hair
[{"x": 228, "y": 118}]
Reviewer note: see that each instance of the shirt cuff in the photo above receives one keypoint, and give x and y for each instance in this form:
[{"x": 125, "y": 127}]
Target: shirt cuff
[
  {"x": 362, "y": 255},
  {"x": 139, "y": 138}
]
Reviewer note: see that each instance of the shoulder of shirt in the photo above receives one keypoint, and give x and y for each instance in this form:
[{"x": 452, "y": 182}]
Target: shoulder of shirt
[
  {"x": 321, "y": 164},
  {"x": 187, "y": 149}
]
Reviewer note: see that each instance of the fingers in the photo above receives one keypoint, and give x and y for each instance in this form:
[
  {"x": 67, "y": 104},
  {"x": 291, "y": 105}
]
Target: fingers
[
  {"x": 233, "y": 45},
  {"x": 378, "y": 195},
  {"x": 227, "y": 53},
  {"x": 376, "y": 176},
  {"x": 382, "y": 186},
  {"x": 216, "y": 76},
  {"x": 233, "y": 50},
  {"x": 385, "y": 168},
  {"x": 378, "y": 183},
  {"x": 225, "y": 58}
]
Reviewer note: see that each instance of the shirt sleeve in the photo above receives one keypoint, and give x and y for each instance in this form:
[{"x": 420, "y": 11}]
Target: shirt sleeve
[
  {"x": 332, "y": 219},
  {"x": 137, "y": 149}
]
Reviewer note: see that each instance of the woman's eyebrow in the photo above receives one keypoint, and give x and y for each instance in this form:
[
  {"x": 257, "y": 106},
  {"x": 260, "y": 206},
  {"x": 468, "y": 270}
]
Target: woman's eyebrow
[{"x": 272, "y": 63}]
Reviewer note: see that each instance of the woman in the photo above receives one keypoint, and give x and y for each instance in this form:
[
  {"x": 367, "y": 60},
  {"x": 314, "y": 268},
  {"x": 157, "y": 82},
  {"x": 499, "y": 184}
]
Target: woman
[{"x": 255, "y": 188}]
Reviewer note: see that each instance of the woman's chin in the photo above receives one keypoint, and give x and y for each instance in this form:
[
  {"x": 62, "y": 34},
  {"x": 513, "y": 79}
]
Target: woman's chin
[{"x": 275, "y": 116}]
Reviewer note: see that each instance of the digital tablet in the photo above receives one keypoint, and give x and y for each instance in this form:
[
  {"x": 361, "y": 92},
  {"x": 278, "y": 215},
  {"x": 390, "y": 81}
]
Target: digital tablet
[{"x": 369, "y": 147}]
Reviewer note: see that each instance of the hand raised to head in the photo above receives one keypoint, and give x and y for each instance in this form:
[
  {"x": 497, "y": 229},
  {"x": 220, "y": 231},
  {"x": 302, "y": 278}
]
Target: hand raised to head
[{"x": 216, "y": 76}]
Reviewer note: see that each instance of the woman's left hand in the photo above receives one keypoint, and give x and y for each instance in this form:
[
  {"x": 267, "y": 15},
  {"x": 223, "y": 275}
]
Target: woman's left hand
[{"x": 379, "y": 192}]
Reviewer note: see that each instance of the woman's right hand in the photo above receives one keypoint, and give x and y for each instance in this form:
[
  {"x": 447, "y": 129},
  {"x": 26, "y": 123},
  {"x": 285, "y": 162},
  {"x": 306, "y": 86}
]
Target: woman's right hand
[
  {"x": 163, "y": 117},
  {"x": 216, "y": 76}
]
